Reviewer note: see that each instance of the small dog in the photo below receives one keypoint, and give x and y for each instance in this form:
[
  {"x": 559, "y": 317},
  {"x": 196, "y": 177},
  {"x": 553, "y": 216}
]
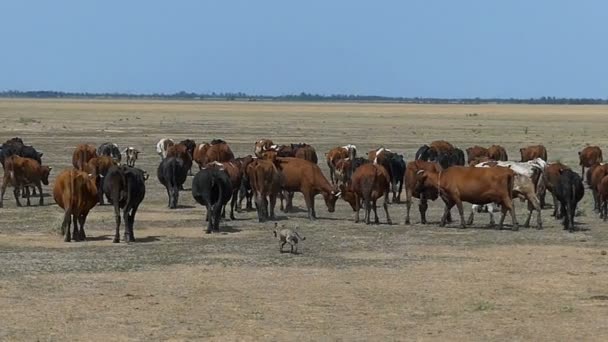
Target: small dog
[{"x": 288, "y": 236}]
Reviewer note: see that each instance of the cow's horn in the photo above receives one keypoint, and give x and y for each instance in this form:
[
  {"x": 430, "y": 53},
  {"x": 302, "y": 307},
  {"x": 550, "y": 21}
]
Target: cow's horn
[
  {"x": 419, "y": 172},
  {"x": 338, "y": 194}
]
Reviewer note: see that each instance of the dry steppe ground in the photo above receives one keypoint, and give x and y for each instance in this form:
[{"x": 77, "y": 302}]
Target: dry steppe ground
[{"x": 351, "y": 282}]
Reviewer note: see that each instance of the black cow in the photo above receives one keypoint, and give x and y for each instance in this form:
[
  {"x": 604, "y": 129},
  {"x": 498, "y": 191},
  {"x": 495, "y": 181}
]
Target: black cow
[
  {"x": 126, "y": 188},
  {"x": 426, "y": 153},
  {"x": 396, "y": 172},
  {"x": 16, "y": 147},
  {"x": 211, "y": 187},
  {"x": 172, "y": 173},
  {"x": 451, "y": 158},
  {"x": 190, "y": 146},
  {"x": 569, "y": 191},
  {"x": 111, "y": 150}
]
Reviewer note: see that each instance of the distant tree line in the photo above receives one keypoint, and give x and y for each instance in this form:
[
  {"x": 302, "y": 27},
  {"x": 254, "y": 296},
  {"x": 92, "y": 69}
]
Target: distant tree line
[{"x": 303, "y": 97}]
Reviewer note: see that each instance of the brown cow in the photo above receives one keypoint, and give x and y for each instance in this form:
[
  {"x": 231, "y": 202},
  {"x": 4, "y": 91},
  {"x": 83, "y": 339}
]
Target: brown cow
[
  {"x": 180, "y": 151},
  {"x": 369, "y": 182},
  {"x": 305, "y": 177},
  {"x": 533, "y": 152},
  {"x": 409, "y": 180},
  {"x": 216, "y": 151},
  {"x": 602, "y": 190},
  {"x": 589, "y": 156},
  {"x": 497, "y": 152},
  {"x": 302, "y": 151},
  {"x": 597, "y": 172},
  {"x": 476, "y": 152},
  {"x": 441, "y": 146},
  {"x": 245, "y": 191},
  {"x": 75, "y": 192},
  {"x": 82, "y": 155},
  {"x": 265, "y": 181},
  {"x": 473, "y": 185},
  {"x": 99, "y": 167},
  {"x": 23, "y": 172},
  {"x": 235, "y": 174},
  {"x": 337, "y": 154},
  {"x": 261, "y": 146},
  {"x": 551, "y": 179}
]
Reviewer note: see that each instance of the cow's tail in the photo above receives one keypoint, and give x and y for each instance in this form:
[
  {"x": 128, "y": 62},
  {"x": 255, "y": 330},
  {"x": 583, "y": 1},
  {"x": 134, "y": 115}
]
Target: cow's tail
[
  {"x": 83, "y": 158},
  {"x": 299, "y": 236}
]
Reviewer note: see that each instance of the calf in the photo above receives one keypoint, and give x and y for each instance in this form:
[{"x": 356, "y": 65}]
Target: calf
[
  {"x": 172, "y": 173},
  {"x": 303, "y": 176},
  {"x": 533, "y": 152},
  {"x": 163, "y": 146},
  {"x": 369, "y": 182},
  {"x": 589, "y": 156},
  {"x": 337, "y": 154},
  {"x": 473, "y": 185},
  {"x": 211, "y": 188},
  {"x": 569, "y": 191},
  {"x": 75, "y": 192},
  {"x": 82, "y": 154},
  {"x": 131, "y": 153},
  {"x": 266, "y": 184},
  {"x": 99, "y": 167},
  {"x": 126, "y": 188},
  {"x": 429, "y": 193},
  {"x": 110, "y": 150},
  {"x": 23, "y": 172}
]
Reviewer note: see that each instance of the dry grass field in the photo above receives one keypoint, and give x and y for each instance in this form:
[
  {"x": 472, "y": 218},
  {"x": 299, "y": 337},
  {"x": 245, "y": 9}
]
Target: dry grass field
[{"x": 351, "y": 282}]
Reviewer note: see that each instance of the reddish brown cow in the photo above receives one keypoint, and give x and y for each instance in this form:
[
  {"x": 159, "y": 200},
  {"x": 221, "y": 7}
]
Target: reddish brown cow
[
  {"x": 533, "y": 152},
  {"x": 215, "y": 152},
  {"x": 551, "y": 179},
  {"x": 265, "y": 181},
  {"x": 75, "y": 192},
  {"x": 441, "y": 146},
  {"x": 82, "y": 155},
  {"x": 597, "y": 172},
  {"x": 301, "y": 151},
  {"x": 369, "y": 182},
  {"x": 180, "y": 151},
  {"x": 497, "y": 152},
  {"x": 23, "y": 172},
  {"x": 233, "y": 169},
  {"x": 589, "y": 156},
  {"x": 261, "y": 146},
  {"x": 337, "y": 154},
  {"x": 409, "y": 180},
  {"x": 99, "y": 167},
  {"x": 476, "y": 152},
  {"x": 474, "y": 185},
  {"x": 602, "y": 190},
  {"x": 303, "y": 176}
]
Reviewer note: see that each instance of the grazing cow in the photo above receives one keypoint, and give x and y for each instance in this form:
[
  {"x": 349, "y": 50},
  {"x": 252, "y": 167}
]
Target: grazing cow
[
  {"x": 551, "y": 177},
  {"x": 497, "y": 152},
  {"x": 533, "y": 152},
  {"x": 99, "y": 167},
  {"x": 265, "y": 181},
  {"x": 595, "y": 175},
  {"x": 476, "y": 152},
  {"x": 110, "y": 150},
  {"x": 262, "y": 146},
  {"x": 172, "y": 173},
  {"x": 369, "y": 182},
  {"x": 131, "y": 153},
  {"x": 394, "y": 165},
  {"x": 451, "y": 158},
  {"x": 126, "y": 188},
  {"x": 163, "y": 146},
  {"x": 217, "y": 151},
  {"x": 411, "y": 190},
  {"x": 569, "y": 191},
  {"x": 589, "y": 156},
  {"x": 337, "y": 154},
  {"x": 473, "y": 185},
  {"x": 75, "y": 192},
  {"x": 211, "y": 188},
  {"x": 303, "y": 176},
  {"x": 23, "y": 172},
  {"x": 82, "y": 154},
  {"x": 346, "y": 167},
  {"x": 527, "y": 177}
]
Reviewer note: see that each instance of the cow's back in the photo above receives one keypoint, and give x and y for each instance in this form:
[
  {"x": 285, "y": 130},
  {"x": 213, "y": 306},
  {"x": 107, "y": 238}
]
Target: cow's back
[{"x": 75, "y": 189}]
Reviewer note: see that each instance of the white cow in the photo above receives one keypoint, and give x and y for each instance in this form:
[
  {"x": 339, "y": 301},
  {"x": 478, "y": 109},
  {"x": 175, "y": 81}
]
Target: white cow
[{"x": 162, "y": 146}]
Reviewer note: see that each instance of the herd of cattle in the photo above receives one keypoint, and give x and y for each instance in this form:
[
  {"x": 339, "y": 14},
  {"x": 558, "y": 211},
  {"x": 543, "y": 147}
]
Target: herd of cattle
[{"x": 276, "y": 172}]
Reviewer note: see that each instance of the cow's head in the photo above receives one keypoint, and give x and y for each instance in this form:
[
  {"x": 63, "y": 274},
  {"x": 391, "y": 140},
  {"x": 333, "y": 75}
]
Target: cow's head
[
  {"x": 46, "y": 171},
  {"x": 331, "y": 198},
  {"x": 348, "y": 196}
]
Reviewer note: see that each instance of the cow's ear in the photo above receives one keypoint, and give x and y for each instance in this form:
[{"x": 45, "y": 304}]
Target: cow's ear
[
  {"x": 40, "y": 154},
  {"x": 50, "y": 168},
  {"x": 579, "y": 153}
]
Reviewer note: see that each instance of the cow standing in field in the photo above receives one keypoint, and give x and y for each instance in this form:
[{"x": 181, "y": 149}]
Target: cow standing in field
[
  {"x": 551, "y": 179},
  {"x": 126, "y": 187},
  {"x": 453, "y": 157},
  {"x": 498, "y": 153},
  {"x": 172, "y": 173},
  {"x": 473, "y": 185},
  {"x": 369, "y": 182},
  {"x": 163, "y": 146},
  {"x": 533, "y": 152},
  {"x": 245, "y": 191},
  {"x": 216, "y": 151},
  {"x": 131, "y": 153},
  {"x": 594, "y": 176},
  {"x": 602, "y": 189},
  {"x": 211, "y": 188},
  {"x": 99, "y": 167},
  {"x": 589, "y": 156},
  {"x": 424, "y": 194},
  {"x": 262, "y": 146},
  {"x": 394, "y": 165},
  {"x": 16, "y": 147},
  {"x": 337, "y": 154},
  {"x": 82, "y": 155},
  {"x": 476, "y": 152},
  {"x": 111, "y": 150},
  {"x": 301, "y": 151},
  {"x": 346, "y": 167},
  {"x": 75, "y": 192},
  {"x": 569, "y": 191},
  {"x": 23, "y": 172},
  {"x": 265, "y": 181},
  {"x": 432, "y": 151}
]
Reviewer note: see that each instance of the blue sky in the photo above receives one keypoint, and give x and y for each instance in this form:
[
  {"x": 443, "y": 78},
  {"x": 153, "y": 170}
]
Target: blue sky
[{"x": 395, "y": 48}]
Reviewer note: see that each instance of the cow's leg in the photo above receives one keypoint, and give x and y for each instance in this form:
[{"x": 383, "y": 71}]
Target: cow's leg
[
  {"x": 368, "y": 209},
  {"x": 507, "y": 204},
  {"x": 281, "y": 244},
  {"x": 289, "y": 205},
  {"x": 2, "y": 191},
  {"x": 259, "y": 203},
  {"x": 272, "y": 204},
  {"x": 81, "y": 220},
  {"x": 596, "y": 202},
  {"x": 423, "y": 207},
  {"x": 65, "y": 226},
  {"x": 385, "y": 206},
  {"x": 357, "y": 207},
  {"x": 249, "y": 196},
  {"x": 235, "y": 195},
  {"x": 375, "y": 208},
  {"x": 446, "y": 211},
  {"x": 75, "y": 231},
  {"x": 209, "y": 220},
  {"x": 399, "y": 192},
  {"x": 16, "y": 194},
  {"x": 408, "y": 206},
  {"x": 461, "y": 212},
  {"x": 571, "y": 213},
  {"x": 129, "y": 221},
  {"x": 216, "y": 216},
  {"x": 100, "y": 193},
  {"x": 490, "y": 208},
  {"x": 169, "y": 197},
  {"x": 41, "y": 200},
  {"x": 117, "y": 218},
  {"x": 605, "y": 208},
  {"x": 26, "y": 193},
  {"x": 242, "y": 193},
  {"x": 472, "y": 215},
  {"x": 556, "y": 204}
]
